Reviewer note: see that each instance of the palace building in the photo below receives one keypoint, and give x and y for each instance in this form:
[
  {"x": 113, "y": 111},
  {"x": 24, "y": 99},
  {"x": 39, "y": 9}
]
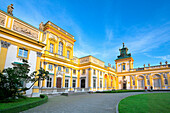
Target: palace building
[{"x": 51, "y": 48}]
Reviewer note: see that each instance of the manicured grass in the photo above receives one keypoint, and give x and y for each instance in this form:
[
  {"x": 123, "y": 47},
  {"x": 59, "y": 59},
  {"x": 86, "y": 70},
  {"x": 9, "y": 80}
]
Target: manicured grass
[
  {"x": 22, "y": 104},
  {"x": 146, "y": 103},
  {"x": 18, "y": 102},
  {"x": 121, "y": 91}
]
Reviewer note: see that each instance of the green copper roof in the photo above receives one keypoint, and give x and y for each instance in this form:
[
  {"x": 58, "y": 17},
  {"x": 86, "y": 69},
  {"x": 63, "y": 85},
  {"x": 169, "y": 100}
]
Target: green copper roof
[{"x": 123, "y": 53}]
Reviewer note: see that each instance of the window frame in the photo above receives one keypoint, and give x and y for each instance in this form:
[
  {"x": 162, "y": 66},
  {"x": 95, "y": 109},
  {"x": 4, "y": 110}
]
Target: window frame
[
  {"x": 50, "y": 66},
  {"x": 83, "y": 71},
  {"x": 60, "y": 48},
  {"x": 75, "y": 71},
  {"x": 68, "y": 55},
  {"x": 49, "y": 82},
  {"x": 67, "y": 70},
  {"x": 66, "y": 83},
  {"x": 94, "y": 82},
  {"x": 59, "y": 68},
  {"x": 52, "y": 48},
  {"x": 22, "y": 56},
  {"x": 74, "y": 83}
]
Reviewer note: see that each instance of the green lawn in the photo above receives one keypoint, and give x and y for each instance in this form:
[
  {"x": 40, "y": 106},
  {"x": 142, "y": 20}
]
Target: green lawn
[
  {"x": 146, "y": 103},
  {"x": 18, "y": 102},
  {"x": 121, "y": 91}
]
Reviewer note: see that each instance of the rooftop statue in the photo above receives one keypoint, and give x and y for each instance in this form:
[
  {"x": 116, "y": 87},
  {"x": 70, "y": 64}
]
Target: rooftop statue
[
  {"x": 10, "y": 9},
  {"x": 41, "y": 26}
]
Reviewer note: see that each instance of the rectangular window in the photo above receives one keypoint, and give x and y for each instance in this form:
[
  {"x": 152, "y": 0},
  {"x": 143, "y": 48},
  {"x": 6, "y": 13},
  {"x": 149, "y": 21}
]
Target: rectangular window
[
  {"x": 49, "y": 82},
  {"x": 124, "y": 67},
  {"x": 23, "y": 53},
  {"x": 66, "y": 83},
  {"x": 94, "y": 83},
  {"x": 50, "y": 66},
  {"x": 74, "y": 71},
  {"x": 105, "y": 83},
  {"x": 67, "y": 70},
  {"x": 100, "y": 73},
  {"x": 59, "y": 68},
  {"x": 74, "y": 83},
  {"x": 83, "y": 71},
  {"x": 94, "y": 72},
  {"x": 101, "y": 83},
  {"x": 68, "y": 54},
  {"x": 51, "y": 48}
]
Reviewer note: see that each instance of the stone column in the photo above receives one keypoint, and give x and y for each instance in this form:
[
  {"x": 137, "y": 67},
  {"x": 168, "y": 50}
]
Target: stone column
[
  {"x": 71, "y": 79},
  {"x": 78, "y": 78},
  {"x": 136, "y": 82},
  {"x": 64, "y": 71},
  {"x": 117, "y": 83},
  {"x": 168, "y": 76},
  {"x": 90, "y": 79},
  {"x": 131, "y": 82},
  {"x": 98, "y": 80},
  {"x": 55, "y": 73},
  {"x": 162, "y": 82},
  {"x": 43, "y": 82},
  {"x": 145, "y": 81},
  {"x": 3, "y": 53}
]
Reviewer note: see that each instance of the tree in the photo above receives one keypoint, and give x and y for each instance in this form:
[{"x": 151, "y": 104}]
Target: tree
[{"x": 11, "y": 80}]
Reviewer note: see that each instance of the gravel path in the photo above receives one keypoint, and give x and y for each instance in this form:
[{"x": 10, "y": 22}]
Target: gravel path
[{"x": 87, "y": 103}]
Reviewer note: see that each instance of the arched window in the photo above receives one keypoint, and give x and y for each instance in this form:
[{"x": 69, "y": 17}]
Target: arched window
[{"x": 60, "y": 48}]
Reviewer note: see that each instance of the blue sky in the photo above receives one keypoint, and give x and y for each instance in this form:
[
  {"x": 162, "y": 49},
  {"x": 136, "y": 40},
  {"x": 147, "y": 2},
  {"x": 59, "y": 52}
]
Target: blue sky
[{"x": 101, "y": 26}]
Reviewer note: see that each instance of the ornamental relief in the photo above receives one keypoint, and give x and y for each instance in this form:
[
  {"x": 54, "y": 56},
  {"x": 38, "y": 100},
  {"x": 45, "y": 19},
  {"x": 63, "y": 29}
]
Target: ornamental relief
[
  {"x": 84, "y": 60},
  {"x": 75, "y": 60},
  {"x": 68, "y": 44},
  {"x": 25, "y": 30},
  {"x": 53, "y": 37},
  {"x": 2, "y": 20}
]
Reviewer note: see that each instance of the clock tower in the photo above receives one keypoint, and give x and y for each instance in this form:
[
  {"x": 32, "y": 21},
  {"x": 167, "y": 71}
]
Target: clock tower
[{"x": 124, "y": 61}]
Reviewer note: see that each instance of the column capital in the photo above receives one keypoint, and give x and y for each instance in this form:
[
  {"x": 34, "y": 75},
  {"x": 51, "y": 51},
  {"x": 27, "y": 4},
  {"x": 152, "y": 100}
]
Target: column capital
[
  {"x": 89, "y": 69},
  {"x": 39, "y": 54},
  {"x": 5, "y": 44},
  {"x": 55, "y": 65},
  {"x": 45, "y": 63}
]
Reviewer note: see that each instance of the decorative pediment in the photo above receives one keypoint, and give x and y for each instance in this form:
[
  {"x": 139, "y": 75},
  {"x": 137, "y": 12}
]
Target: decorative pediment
[
  {"x": 52, "y": 37},
  {"x": 68, "y": 44}
]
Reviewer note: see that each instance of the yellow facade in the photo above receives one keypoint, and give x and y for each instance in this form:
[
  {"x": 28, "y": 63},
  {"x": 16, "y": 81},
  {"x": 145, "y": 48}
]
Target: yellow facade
[{"x": 54, "y": 53}]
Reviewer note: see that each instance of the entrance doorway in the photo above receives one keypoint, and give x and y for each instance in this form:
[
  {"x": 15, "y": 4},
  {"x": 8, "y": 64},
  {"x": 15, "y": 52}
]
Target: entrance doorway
[
  {"x": 124, "y": 84},
  {"x": 58, "y": 82},
  {"x": 82, "y": 83}
]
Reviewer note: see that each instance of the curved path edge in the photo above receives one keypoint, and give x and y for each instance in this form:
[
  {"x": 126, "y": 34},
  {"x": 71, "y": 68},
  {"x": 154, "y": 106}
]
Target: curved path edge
[{"x": 117, "y": 105}]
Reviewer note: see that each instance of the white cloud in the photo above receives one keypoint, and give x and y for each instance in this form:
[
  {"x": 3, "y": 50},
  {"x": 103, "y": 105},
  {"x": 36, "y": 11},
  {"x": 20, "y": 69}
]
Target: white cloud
[
  {"x": 166, "y": 57},
  {"x": 109, "y": 34}
]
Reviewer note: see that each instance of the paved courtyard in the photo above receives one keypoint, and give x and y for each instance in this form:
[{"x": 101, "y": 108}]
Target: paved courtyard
[{"x": 87, "y": 103}]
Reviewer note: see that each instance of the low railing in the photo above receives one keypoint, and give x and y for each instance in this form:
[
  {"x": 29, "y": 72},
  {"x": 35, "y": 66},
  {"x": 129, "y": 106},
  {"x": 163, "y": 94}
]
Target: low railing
[{"x": 62, "y": 90}]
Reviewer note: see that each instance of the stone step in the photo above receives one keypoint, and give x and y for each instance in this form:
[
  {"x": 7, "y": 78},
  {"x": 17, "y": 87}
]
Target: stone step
[{"x": 73, "y": 93}]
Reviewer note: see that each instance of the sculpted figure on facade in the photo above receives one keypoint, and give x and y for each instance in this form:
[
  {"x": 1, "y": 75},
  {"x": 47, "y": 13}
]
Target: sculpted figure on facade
[
  {"x": 10, "y": 9},
  {"x": 41, "y": 26}
]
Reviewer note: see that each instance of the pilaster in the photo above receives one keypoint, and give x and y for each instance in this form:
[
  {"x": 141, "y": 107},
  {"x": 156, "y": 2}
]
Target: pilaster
[
  {"x": 55, "y": 73},
  {"x": 3, "y": 53},
  {"x": 64, "y": 70},
  {"x": 43, "y": 82}
]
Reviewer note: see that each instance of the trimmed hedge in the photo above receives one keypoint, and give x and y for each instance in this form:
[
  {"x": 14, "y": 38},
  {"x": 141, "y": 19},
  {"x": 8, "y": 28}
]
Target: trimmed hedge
[
  {"x": 27, "y": 106},
  {"x": 121, "y": 91}
]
